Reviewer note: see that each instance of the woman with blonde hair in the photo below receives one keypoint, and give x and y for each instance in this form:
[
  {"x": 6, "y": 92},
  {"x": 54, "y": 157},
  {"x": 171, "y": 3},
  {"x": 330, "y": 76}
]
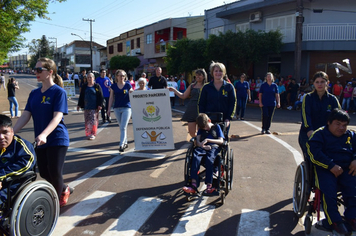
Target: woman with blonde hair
[
  {"x": 122, "y": 107},
  {"x": 47, "y": 105},
  {"x": 218, "y": 95}
]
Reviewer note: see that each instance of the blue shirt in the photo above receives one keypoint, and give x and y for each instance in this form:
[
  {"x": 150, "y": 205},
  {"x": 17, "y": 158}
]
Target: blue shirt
[
  {"x": 105, "y": 84},
  {"x": 122, "y": 97},
  {"x": 209, "y": 135},
  {"x": 281, "y": 88},
  {"x": 42, "y": 107},
  {"x": 269, "y": 94},
  {"x": 241, "y": 89}
]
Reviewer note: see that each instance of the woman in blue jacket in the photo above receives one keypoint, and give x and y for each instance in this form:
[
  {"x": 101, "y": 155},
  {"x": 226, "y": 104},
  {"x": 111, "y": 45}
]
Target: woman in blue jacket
[
  {"x": 316, "y": 108},
  {"x": 218, "y": 95}
]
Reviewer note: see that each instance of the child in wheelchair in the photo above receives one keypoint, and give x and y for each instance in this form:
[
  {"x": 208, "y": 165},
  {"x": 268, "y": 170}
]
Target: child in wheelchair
[
  {"x": 17, "y": 156},
  {"x": 208, "y": 141},
  {"x": 332, "y": 150}
]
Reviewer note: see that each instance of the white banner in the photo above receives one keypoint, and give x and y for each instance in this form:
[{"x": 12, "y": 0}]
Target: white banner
[
  {"x": 69, "y": 87},
  {"x": 152, "y": 119}
]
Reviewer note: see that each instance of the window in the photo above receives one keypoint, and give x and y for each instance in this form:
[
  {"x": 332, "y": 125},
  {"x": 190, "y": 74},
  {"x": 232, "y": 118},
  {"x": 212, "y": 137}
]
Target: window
[
  {"x": 179, "y": 34},
  {"x": 111, "y": 49},
  {"x": 138, "y": 43},
  {"x": 217, "y": 30},
  {"x": 242, "y": 27},
  {"x": 286, "y": 25},
  {"x": 149, "y": 39},
  {"x": 119, "y": 47},
  {"x": 132, "y": 43}
]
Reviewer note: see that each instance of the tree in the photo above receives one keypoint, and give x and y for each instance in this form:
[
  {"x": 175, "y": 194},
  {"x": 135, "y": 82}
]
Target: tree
[
  {"x": 15, "y": 19},
  {"x": 243, "y": 49},
  {"x": 39, "y": 48},
  {"x": 186, "y": 55},
  {"x": 124, "y": 62}
]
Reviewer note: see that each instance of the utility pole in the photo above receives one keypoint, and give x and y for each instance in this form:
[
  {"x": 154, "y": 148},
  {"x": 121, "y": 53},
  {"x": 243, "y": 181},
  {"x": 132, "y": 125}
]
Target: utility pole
[
  {"x": 298, "y": 40},
  {"x": 91, "y": 40},
  {"x": 55, "y": 54}
]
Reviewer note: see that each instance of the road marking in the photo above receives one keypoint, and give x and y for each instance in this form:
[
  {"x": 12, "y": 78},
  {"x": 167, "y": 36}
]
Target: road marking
[
  {"x": 96, "y": 151},
  {"x": 296, "y": 154},
  {"x": 196, "y": 219},
  {"x": 69, "y": 219},
  {"x": 159, "y": 169},
  {"x": 144, "y": 155},
  {"x": 253, "y": 223},
  {"x": 134, "y": 217},
  {"x": 95, "y": 171}
]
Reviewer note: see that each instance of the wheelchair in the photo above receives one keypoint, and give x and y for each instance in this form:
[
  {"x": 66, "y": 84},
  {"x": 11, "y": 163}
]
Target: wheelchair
[
  {"x": 224, "y": 162},
  {"x": 306, "y": 196},
  {"x": 32, "y": 210}
]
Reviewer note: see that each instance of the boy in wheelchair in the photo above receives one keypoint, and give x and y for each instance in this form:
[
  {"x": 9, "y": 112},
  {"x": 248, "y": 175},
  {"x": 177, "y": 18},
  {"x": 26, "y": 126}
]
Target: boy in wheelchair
[
  {"x": 332, "y": 150},
  {"x": 17, "y": 156},
  {"x": 208, "y": 141}
]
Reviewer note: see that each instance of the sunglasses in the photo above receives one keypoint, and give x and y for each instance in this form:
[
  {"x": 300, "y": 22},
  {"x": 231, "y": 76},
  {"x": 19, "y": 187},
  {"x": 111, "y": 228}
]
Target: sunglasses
[{"x": 40, "y": 69}]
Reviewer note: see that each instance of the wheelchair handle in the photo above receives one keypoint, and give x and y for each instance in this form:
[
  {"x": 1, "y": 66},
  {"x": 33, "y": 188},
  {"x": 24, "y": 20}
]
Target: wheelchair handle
[{"x": 16, "y": 177}]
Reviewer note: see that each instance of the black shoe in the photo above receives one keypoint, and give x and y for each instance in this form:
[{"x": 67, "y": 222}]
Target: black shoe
[
  {"x": 121, "y": 149},
  {"x": 263, "y": 131},
  {"x": 340, "y": 228},
  {"x": 109, "y": 120},
  {"x": 104, "y": 121},
  {"x": 268, "y": 132}
]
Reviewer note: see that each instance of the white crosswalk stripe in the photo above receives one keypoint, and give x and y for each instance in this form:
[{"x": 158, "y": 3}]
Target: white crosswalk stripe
[{"x": 133, "y": 218}]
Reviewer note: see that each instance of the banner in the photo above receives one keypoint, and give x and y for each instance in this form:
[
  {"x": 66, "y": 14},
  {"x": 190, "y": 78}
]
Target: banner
[
  {"x": 69, "y": 87},
  {"x": 152, "y": 119}
]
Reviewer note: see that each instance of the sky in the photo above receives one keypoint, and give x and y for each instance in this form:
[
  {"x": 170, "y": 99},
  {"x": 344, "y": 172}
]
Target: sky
[{"x": 112, "y": 18}]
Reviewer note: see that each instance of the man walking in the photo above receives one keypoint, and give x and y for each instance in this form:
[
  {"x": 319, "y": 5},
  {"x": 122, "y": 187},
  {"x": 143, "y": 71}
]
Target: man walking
[{"x": 105, "y": 84}]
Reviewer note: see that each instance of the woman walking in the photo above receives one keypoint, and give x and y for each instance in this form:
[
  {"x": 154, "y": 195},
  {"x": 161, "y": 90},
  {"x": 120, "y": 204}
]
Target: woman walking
[
  {"x": 269, "y": 99},
  {"x": 12, "y": 85},
  {"x": 47, "y": 105},
  {"x": 243, "y": 94},
  {"x": 91, "y": 100},
  {"x": 193, "y": 90},
  {"x": 122, "y": 107},
  {"x": 181, "y": 87}
]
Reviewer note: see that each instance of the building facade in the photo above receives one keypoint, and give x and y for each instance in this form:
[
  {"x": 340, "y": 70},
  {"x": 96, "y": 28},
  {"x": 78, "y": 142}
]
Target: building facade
[
  {"x": 328, "y": 34},
  {"x": 20, "y": 62}
]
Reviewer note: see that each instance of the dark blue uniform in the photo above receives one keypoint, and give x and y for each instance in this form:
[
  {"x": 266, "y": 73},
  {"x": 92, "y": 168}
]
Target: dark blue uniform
[
  {"x": 212, "y": 100},
  {"x": 315, "y": 113},
  {"x": 325, "y": 151},
  {"x": 242, "y": 95},
  {"x": 16, "y": 159}
]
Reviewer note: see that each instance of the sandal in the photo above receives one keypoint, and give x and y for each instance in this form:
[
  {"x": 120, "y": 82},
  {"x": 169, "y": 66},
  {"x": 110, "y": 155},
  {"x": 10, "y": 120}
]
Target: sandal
[{"x": 210, "y": 192}]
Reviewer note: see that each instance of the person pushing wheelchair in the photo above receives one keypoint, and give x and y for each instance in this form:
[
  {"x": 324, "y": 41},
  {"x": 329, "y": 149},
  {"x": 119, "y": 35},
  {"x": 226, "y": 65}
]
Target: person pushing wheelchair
[{"x": 332, "y": 150}]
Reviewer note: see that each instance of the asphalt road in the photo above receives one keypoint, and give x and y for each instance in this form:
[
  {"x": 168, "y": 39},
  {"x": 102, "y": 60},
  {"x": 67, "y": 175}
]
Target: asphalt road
[{"x": 139, "y": 193}]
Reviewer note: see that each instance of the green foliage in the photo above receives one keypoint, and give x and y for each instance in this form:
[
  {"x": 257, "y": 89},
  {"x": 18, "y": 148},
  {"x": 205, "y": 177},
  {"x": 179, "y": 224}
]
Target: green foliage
[
  {"x": 124, "y": 62},
  {"x": 243, "y": 49},
  {"x": 15, "y": 19},
  {"x": 186, "y": 55}
]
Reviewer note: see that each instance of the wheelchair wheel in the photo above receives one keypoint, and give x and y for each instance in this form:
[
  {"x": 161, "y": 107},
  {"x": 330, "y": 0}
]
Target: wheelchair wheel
[
  {"x": 308, "y": 224},
  {"x": 231, "y": 168},
  {"x": 36, "y": 210},
  {"x": 222, "y": 196},
  {"x": 187, "y": 164},
  {"x": 301, "y": 190}
]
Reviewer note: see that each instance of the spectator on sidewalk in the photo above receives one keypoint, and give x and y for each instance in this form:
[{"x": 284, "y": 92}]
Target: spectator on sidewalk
[
  {"x": 337, "y": 90},
  {"x": 181, "y": 87},
  {"x": 299, "y": 100},
  {"x": 2, "y": 81},
  {"x": 12, "y": 85},
  {"x": 347, "y": 96},
  {"x": 172, "y": 85}
]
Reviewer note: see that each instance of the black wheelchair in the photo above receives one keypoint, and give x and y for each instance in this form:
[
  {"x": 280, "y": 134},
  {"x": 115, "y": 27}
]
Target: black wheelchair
[
  {"x": 224, "y": 162},
  {"x": 306, "y": 196},
  {"x": 32, "y": 210}
]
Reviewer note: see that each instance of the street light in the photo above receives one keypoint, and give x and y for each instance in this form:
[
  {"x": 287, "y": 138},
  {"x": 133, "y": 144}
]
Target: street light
[{"x": 91, "y": 51}]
